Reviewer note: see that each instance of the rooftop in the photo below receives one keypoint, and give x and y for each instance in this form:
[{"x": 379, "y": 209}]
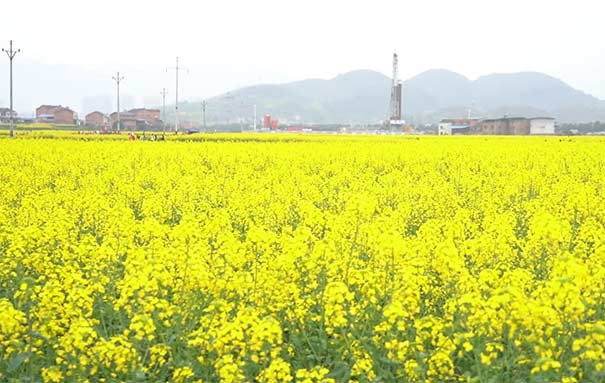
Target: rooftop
[
  {"x": 504, "y": 119},
  {"x": 144, "y": 110}
]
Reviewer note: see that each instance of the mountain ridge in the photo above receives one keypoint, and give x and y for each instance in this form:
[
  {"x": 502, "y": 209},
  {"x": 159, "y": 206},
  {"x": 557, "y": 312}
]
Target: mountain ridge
[{"x": 362, "y": 96}]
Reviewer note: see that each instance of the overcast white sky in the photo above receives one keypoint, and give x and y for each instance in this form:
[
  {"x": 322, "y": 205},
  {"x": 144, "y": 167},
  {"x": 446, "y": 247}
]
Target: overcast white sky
[{"x": 232, "y": 43}]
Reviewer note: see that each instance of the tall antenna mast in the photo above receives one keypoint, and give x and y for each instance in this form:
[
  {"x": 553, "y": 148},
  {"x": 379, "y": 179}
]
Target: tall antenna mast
[
  {"x": 11, "y": 55},
  {"x": 118, "y": 79}
]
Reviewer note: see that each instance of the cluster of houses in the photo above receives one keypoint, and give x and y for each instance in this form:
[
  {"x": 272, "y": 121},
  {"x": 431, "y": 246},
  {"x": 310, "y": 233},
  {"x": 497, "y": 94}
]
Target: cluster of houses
[
  {"x": 134, "y": 119},
  {"x": 149, "y": 119},
  {"x": 498, "y": 126}
]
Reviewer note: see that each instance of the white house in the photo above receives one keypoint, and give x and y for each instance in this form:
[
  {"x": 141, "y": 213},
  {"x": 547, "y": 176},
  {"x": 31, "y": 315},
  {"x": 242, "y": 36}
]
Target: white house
[
  {"x": 445, "y": 128},
  {"x": 542, "y": 125},
  {"x": 449, "y": 129}
]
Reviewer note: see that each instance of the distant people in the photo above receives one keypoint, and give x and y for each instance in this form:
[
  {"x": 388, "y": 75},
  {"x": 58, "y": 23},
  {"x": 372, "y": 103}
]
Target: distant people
[{"x": 132, "y": 137}]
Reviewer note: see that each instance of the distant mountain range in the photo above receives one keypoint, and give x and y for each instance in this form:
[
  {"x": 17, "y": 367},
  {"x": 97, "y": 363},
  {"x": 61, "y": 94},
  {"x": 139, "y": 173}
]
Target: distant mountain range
[
  {"x": 362, "y": 97},
  {"x": 356, "y": 97}
]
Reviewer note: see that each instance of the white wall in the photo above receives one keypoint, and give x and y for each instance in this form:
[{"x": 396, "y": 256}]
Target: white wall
[
  {"x": 445, "y": 129},
  {"x": 542, "y": 126}
]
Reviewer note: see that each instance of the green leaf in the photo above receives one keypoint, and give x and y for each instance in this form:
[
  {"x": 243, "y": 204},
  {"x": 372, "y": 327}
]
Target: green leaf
[
  {"x": 17, "y": 361},
  {"x": 341, "y": 372},
  {"x": 36, "y": 334}
]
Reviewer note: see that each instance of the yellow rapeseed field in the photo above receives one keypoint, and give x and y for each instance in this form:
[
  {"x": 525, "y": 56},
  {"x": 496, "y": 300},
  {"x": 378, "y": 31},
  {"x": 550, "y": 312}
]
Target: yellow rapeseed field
[{"x": 282, "y": 258}]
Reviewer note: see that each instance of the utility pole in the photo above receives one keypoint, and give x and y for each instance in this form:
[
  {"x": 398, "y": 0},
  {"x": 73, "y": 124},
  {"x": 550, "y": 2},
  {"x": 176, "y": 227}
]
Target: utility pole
[
  {"x": 164, "y": 93},
  {"x": 204, "y": 114},
  {"x": 118, "y": 79},
  {"x": 176, "y": 104},
  {"x": 254, "y": 125},
  {"x": 11, "y": 55}
]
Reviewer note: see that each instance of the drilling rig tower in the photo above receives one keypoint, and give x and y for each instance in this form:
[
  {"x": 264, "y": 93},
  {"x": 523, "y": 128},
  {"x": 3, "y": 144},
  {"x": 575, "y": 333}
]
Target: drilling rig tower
[{"x": 395, "y": 120}]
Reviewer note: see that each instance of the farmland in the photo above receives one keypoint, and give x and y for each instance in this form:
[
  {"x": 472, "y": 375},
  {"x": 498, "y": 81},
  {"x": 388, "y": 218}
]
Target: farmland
[{"x": 302, "y": 258}]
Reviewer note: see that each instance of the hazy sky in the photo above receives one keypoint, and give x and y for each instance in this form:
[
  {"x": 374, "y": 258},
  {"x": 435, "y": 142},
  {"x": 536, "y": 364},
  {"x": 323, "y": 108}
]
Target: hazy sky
[{"x": 228, "y": 43}]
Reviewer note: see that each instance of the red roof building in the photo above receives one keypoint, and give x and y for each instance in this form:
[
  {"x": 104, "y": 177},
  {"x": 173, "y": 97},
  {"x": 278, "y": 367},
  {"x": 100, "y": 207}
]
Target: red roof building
[
  {"x": 56, "y": 114},
  {"x": 96, "y": 119}
]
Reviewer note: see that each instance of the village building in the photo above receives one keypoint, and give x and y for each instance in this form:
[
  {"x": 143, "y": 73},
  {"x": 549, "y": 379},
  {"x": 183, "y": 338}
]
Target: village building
[
  {"x": 452, "y": 130},
  {"x": 5, "y": 114},
  {"x": 65, "y": 116},
  {"x": 452, "y": 126},
  {"x": 498, "y": 126},
  {"x": 46, "y": 110},
  {"x": 150, "y": 116},
  {"x": 127, "y": 121},
  {"x": 542, "y": 125},
  {"x": 505, "y": 126},
  {"x": 137, "y": 119},
  {"x": 96, "y": 119},
  {"x": 56, "y": 114}
]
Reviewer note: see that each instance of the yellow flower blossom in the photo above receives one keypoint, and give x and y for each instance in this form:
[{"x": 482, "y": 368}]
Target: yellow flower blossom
[{"x": 308, "y": 258}]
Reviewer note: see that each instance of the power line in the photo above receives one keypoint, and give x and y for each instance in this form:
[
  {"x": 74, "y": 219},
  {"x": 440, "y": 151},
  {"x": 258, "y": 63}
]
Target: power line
[
  {"x": 118, "y": 79},
  {"x": 11, "y": 55}
]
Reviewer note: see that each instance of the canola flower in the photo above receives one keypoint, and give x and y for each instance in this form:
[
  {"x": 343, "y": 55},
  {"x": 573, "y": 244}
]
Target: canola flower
[{"x": 261, "y": 258}]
